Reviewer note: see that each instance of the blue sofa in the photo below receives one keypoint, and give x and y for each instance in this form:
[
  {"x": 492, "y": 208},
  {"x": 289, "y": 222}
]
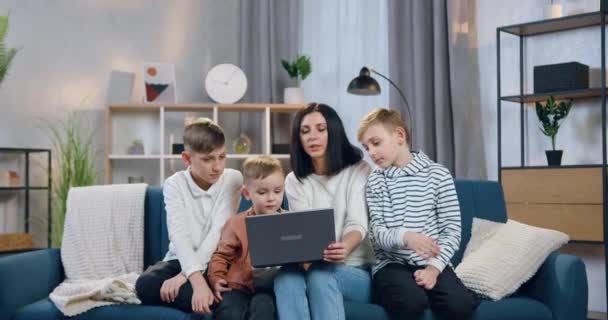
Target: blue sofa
[{"x": 558, "y": 291}]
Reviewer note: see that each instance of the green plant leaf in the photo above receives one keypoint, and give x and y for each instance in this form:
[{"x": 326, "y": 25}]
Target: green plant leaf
[
  {"x": 291, "y": 69},
  {"x": 6, "y": 55},
  {"x": 551, "y": 116},
  {"x": 303, "y": 66},
  {"x": 300, "y": 68}
]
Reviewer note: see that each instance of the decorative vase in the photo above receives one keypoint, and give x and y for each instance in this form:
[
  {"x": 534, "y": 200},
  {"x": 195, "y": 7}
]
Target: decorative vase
[
  {"x": 293, "y": 95},
  {"x": 554, "y": 157},
  {"x": 242, "y": 145},
  {"x": 136, "y": 148}
]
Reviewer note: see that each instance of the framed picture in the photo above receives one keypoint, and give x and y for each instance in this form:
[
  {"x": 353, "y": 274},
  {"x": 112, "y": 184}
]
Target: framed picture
[{"x": 159, "y": 82}]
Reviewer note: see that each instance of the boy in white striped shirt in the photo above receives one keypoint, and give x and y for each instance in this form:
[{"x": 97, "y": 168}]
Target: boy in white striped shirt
[{"x": 414, "y": 223}]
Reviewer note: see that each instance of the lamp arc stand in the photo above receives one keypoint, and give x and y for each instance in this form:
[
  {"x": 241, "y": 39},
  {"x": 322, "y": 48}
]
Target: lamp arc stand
[{"x": 407, "y": 105}]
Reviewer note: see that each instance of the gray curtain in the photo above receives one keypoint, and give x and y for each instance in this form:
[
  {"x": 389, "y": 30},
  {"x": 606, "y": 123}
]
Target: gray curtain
[
  {"x": 469, "y": 159},
  {"x": 268, "y": 33},
  {"x": 420, "y": 66}
]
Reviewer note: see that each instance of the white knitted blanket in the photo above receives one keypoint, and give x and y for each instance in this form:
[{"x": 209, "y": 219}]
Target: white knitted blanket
[{"x": 102, "y": 247}]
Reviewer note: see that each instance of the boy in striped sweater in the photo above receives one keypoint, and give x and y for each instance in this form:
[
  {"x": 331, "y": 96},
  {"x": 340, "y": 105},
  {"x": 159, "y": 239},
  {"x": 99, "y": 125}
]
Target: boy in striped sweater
[{"x": 414, "y": 222}]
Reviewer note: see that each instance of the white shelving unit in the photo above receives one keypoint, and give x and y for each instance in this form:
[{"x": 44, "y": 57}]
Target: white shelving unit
[{"x": 126, "y": 122}]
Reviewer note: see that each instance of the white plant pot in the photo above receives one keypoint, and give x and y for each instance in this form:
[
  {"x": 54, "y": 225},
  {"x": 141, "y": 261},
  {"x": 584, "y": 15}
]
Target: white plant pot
[{"x": 293, "y": 95}]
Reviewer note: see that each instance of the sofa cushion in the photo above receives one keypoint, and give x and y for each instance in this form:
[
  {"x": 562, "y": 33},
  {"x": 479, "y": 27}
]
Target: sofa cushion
[
  {"x": 512, "y": 308},
  {"x": 46, "y": 310},
  {"x": 501, "y": 257},
  {"x": 507, "y": 309}
]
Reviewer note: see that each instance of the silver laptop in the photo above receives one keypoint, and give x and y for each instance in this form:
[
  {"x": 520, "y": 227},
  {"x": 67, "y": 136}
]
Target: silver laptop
[{"x": 282, "y": 238}]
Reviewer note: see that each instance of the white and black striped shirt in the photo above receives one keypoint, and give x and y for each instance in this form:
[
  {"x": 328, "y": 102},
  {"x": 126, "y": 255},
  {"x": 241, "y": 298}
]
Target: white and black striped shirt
[{"x": 419, "y": 197}]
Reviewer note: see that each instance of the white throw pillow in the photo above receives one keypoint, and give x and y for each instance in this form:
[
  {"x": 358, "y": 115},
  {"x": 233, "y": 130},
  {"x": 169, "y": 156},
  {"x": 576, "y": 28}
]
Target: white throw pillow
[
  {"x": 502, "y": 256},
  {"x": 481, "y": 230}
]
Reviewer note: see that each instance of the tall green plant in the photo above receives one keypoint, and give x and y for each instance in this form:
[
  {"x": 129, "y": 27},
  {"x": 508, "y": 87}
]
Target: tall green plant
[
  {"x": 551, "y": 115},
  {"x": 6, "y": 54},
  {"x": 299, "y": 69},
  {"x": 75, "y": 166}
]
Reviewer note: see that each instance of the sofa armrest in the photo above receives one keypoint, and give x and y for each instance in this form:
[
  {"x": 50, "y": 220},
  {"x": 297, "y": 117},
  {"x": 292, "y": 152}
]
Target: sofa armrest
[
  {"x": 28, "y": 277},
  {"x": 561, "y": 284}
]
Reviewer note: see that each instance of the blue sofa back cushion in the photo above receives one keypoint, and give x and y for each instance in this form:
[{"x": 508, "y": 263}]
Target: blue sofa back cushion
[{"x": 482, "y": 199}]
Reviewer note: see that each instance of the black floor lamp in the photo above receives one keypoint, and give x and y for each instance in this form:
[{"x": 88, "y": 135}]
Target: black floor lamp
[{"x": 365, "y": 85}]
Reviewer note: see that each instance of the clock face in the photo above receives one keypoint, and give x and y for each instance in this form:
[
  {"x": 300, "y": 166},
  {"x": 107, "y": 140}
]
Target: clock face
[{"x": 226, "y": 83}]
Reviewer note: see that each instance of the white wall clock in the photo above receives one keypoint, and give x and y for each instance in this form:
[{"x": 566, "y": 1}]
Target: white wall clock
[{"x": 226, "y": 83}]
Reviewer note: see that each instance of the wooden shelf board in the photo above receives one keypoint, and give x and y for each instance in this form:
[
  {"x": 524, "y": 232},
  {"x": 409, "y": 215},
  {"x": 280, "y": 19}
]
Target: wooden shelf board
[
  {"x": 189, "y": 107},
  {"x": 559, "y": 95},
  {"x": 232, "y": 156},
  {"x": 573, "y": 166},
  {"x": 16, "y": 241},
  {"x": 554, "y": 25},
  {"x": 133, "y": 157}
]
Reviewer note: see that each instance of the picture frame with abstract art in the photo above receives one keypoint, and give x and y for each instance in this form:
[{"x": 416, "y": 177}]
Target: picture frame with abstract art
[{"x": 159, "y": 83}]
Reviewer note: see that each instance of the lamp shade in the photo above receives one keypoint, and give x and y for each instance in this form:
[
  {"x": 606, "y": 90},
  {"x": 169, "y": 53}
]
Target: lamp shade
[{"x": 364, "y": 85}]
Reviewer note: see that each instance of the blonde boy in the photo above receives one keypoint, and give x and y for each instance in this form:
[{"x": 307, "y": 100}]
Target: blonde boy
[
  {"x": 198, "y": 202},
  {"x": 242, "y": 291},
  {"x": 414, "y": 222}
]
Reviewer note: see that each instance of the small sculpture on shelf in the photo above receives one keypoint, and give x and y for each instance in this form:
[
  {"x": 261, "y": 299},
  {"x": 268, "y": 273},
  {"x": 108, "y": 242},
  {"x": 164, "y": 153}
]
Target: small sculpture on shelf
[
  {"x": 242, "y": 145},
  {"x": 9, "y": 178},
  {"x": 133, "y": 179},
  {"x": 551, "y": 116},
  {"x": 137, "y": 147}
]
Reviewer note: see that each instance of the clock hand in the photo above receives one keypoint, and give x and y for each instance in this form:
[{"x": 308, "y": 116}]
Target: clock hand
[{"x": 232, "y": 75}]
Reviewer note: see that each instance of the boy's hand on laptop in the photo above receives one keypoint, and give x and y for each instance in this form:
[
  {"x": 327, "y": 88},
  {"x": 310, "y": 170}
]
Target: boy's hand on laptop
[
  {"x": 220, "y": 287},
  {"x": 336, "y": 252},
  {"x": 170, "y": 288},
  {"x": 427, "y": 277},
  {"x": 424, "y": 246}
]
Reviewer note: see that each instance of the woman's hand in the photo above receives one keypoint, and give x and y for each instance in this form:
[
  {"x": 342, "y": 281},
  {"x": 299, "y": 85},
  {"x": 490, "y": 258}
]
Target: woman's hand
[{"x": 336, "y": 252}]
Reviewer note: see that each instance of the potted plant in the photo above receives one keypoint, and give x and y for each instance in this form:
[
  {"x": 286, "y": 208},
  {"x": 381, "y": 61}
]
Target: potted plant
[
  {"x": 551, "y": 115},
  {"x": 75, "y": 157},
  {"x": 6, "y": 54},
  {"x": 298, "y": 70}
]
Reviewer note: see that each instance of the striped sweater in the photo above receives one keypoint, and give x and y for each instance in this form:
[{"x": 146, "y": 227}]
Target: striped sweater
[{"x": 419, "y": 197}]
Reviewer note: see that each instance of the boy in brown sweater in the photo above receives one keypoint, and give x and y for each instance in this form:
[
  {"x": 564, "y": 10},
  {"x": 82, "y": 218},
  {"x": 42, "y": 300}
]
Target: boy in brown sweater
[{"x": 242, "y": 291}]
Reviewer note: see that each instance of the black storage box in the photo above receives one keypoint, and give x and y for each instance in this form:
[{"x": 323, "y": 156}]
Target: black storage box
[
  {"x": 561, "y": 77},
  {"x": 280, "y": 148},
  {"x": 177, "y": 148}
]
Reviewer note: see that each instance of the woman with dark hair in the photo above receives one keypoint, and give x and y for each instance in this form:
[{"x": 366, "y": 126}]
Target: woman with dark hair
[{"x": 328, "y": 171}]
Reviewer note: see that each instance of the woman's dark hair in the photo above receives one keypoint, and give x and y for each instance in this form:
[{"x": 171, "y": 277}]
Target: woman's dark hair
[{"x": 340, "y": 152}]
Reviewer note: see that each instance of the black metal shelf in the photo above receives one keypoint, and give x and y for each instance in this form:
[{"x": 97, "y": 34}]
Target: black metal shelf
[
  {"x": 23, "y": 150},
  {"x": 22, "y": 188},
  {"x": 554, "y": 25},
  {"x": 593, "y": 19},
  {"x": 26, "y": 152},
  {"x": 558, "y": 95}
]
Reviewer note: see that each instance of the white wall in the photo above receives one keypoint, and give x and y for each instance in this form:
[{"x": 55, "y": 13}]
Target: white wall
[
  {"x": 68, "y": 49},
  {"x": 580, "y": 136}
]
